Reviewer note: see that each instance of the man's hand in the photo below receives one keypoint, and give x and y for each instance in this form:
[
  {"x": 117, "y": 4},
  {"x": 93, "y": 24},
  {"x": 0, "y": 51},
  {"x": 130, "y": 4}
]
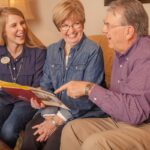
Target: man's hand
[{"x": 75, "y": 89}]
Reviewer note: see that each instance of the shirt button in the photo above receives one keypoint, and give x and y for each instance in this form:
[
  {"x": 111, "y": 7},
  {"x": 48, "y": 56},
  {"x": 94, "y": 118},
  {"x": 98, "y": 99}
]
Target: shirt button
[
  {"x": 127, "y": 59},
  {"x": 14, "y": 68},
  {"x": 121, "y": 66},
  {"x": 52, "y": 66},
  {"x": 76, "y": 67},
  {"x": 66, "y": 68},
  {"x": 118, "y": 81},
  {"x": 95, "y": 99}
]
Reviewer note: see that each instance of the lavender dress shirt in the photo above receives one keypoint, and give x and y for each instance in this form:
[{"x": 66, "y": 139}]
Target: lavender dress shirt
[{"x": 128, "y": 98}]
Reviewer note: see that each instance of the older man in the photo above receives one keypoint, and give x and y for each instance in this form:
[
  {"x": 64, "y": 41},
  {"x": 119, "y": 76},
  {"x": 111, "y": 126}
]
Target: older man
[{"x": 128, "y": 99}]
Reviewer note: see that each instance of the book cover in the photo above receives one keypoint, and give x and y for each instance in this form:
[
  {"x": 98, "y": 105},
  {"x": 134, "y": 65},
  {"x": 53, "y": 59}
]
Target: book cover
[{"x": 27, "y": 92}]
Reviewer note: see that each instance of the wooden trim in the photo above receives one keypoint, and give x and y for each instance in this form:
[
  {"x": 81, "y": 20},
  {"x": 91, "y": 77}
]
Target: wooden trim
[{"x": 106, "y": 2}]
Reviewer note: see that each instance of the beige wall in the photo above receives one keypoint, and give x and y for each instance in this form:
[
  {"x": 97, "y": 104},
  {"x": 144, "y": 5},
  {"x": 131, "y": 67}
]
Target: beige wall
[{"x": 43, "y": 26}]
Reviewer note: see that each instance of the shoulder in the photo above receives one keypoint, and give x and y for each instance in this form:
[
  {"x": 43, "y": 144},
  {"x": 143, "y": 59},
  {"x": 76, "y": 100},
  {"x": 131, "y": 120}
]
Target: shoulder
[
  {"x": 142, "y": 48},
  {"x": 55, "y": 45},
  {"x": 2, "y": 49},
  {"x": 91, "y": 46},
  {"x": 35, "y": 51}
]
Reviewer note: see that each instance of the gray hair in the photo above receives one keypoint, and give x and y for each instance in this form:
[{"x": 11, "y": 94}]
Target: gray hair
[{"x": 133, "y": 14}]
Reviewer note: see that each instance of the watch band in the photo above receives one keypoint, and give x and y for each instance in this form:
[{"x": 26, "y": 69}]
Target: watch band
[
  {"x": 54, "y": 122},
  {"x": 88, "y": 88}
]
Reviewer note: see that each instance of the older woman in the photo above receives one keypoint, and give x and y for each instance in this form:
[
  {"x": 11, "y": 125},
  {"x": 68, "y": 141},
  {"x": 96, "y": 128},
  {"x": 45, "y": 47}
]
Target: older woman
[
  {"x": 22, "y": 57},
  {"x": 74, "y": 57}
]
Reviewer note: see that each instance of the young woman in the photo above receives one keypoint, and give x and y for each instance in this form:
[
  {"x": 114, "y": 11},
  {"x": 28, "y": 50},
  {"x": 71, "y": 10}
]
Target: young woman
[{"x": 21, "y": 61}]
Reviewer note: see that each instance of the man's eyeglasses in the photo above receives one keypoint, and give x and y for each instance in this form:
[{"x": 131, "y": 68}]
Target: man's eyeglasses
[
  {"x": 66, "y": 27},
  {"x": 110, "y": 27}
]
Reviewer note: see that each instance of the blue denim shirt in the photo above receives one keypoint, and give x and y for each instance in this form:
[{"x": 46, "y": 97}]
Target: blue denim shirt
[{"x": 85, "y": 63}]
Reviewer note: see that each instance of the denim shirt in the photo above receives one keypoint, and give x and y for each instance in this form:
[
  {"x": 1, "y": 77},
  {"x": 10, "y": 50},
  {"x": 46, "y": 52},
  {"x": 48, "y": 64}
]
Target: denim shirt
[{"x": 85, "y": 63}]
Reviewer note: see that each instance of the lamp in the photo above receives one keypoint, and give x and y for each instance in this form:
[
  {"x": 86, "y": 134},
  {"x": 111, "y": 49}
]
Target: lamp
[{"x": 22, "y": 5}]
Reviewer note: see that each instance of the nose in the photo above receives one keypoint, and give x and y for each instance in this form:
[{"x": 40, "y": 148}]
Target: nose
[
  {"x": 71, "y": 29},
  {"x": 20, "y": 27},
  {"x": 104, "y": 29}
]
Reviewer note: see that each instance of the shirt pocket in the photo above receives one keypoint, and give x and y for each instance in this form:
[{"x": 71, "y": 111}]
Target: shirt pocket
[
  {"x": 77, "y": 71},
  {"x": 55, "y": 72}
]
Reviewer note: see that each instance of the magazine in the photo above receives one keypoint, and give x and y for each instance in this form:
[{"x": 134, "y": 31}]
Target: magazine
[{"x": 27, "y": 92}]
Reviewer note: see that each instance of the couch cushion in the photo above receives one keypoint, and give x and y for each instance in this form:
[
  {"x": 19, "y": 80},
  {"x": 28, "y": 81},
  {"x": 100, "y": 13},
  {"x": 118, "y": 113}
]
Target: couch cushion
[{"x": 107, "y": 54}]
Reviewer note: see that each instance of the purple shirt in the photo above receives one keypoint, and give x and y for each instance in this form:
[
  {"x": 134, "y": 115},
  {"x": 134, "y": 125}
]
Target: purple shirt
[{"x": 128, "y": 98}]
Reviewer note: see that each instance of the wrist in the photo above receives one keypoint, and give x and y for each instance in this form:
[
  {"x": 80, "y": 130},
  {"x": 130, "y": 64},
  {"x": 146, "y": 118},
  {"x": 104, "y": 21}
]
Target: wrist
[{"x": 56, "y": 121}]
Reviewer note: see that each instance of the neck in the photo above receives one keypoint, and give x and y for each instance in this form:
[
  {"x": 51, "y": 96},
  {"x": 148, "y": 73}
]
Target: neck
[
  {"x": 67, "y": 49},
  {"x": 15, "y": 51}
]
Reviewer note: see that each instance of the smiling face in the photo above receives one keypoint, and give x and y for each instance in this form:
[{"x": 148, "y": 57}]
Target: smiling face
[
  {"x": 71, "y": 31},
  {"x": 15, "y": 30}
]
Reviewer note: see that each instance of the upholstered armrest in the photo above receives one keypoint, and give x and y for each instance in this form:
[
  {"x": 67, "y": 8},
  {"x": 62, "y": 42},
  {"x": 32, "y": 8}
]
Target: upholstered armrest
[{"x": 107, "y": 54}]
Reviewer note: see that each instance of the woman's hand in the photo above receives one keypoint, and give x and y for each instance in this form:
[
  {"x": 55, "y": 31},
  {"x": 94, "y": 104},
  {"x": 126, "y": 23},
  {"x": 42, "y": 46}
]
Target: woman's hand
[
  {"x": 46, "y": 128},
  {"x": 37, "y": 104}
]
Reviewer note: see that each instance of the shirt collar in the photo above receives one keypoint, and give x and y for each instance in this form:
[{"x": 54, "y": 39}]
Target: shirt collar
[
  {"x": 127, "y": 52},
  {"x": 4, "y": 52}
]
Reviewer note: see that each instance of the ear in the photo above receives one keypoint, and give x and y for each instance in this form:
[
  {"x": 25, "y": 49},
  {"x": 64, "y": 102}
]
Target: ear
[{"x": 130, "y": 32}]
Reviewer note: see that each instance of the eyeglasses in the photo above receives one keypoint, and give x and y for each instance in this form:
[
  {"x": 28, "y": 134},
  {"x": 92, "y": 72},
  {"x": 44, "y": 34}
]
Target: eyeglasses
[
  {"x": 110, "y": 27},
  {"x": 66, "y": 27}
]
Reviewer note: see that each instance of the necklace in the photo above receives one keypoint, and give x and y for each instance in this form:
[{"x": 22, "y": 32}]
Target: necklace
[{"x": 14, "y": 77}]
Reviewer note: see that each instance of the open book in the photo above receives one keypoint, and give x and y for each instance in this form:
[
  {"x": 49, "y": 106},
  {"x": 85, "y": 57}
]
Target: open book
[{"x": 27, "y": 92}]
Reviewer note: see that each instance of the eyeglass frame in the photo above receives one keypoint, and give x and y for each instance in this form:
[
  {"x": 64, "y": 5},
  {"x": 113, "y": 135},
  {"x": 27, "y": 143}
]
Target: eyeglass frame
[
  {"x": 76, "y": 25},
  {"x": 110, "y": 27}
]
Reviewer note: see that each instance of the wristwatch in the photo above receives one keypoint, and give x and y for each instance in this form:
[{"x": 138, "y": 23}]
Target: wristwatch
[
  {"x": 88, "y": 87},
  {"x": 54, "y": 122}
]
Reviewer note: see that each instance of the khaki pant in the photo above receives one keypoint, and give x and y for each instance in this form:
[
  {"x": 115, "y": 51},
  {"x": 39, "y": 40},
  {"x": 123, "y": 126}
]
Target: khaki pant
[{"x": 104, "y": 134}]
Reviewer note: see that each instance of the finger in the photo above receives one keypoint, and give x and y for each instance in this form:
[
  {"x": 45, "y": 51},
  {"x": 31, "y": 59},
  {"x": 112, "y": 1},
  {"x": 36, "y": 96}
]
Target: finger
[
  {"x": 36, "y": 126},
  {"x": 40, "y": 138},
  {"x": 62, "y": 88}
]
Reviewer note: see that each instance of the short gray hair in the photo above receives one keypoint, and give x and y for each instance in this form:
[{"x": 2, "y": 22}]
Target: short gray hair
[{"x": 134, "y": 14}]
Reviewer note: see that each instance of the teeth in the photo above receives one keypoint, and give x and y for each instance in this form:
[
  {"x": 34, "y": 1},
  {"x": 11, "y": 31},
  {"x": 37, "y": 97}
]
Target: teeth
[{"x": 72, "y": 36}]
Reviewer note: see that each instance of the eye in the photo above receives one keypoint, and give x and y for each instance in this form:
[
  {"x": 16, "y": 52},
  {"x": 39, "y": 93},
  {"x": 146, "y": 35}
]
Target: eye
[
  {"x": 22, "y": 22},
  {"x": 13, "y": 25}
]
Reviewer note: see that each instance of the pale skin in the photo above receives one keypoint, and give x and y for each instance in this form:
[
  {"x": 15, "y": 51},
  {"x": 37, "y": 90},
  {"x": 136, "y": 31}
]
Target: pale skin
[
  {"x": 15, "y": 33},
  {"x": 75, "y": 89},
  {"x": 46, "y": 128}
]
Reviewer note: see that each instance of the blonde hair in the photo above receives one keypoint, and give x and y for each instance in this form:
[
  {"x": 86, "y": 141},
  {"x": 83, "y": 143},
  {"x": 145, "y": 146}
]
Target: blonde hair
[
  {"x": 68, "y": 9},
  {"x": 31, "y": 39}
]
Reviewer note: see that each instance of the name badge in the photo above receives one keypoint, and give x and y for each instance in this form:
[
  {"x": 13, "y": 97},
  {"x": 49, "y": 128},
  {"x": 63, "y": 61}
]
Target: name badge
[{"x": 5, "y": 60}]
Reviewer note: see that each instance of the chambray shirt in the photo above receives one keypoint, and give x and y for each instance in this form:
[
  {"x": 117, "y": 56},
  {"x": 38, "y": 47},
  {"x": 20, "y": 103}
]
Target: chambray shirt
[
  {"x": 31, "y": 69},
  {"x": 85, "y": 62},
  {"x": 128, "y": 99}
]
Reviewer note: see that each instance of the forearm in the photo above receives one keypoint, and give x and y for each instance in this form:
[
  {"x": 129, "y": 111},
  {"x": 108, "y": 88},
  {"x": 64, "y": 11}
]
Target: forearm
[{"x": 123, "y": 107}]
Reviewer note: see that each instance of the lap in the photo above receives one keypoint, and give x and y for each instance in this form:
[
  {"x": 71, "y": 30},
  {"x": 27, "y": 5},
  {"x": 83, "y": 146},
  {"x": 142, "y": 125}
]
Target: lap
[
  {"x": 19, "y": 114},
  {"x": 100, "y": 133},
  {"x": 130, "y": 137}
]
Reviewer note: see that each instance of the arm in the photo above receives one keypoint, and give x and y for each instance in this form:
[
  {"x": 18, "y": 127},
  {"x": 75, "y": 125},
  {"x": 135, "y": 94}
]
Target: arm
[
  {"x": 46, "y": 82},
  {"x": 39, "y": 63},
  {"x": 132, "y": 103}
]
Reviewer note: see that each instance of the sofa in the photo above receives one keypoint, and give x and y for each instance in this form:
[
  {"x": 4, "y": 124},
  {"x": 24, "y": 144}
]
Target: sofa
[
  {"x": 107, "y": 54},
  {"x": 108, "y": 57}
]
